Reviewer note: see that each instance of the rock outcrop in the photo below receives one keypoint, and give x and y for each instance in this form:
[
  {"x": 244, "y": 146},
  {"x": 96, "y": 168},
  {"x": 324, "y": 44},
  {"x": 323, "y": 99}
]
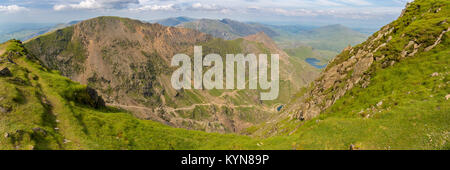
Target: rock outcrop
[
  {"x": 5, "y": 72},
  {"x": 354, "y": 66}
]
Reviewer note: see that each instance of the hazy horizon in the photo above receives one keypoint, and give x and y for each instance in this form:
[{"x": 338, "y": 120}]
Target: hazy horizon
[{"x": 351, "y": 13}]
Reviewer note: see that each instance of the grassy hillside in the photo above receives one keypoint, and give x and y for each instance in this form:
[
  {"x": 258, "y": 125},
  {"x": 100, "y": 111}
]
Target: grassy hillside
[
  {"x": 327, "y": 38},
  {"x": 401, "y": 101},
  {"x": 304, "y": 52},
  {"x": 39, "y": 109},
  {"x": 174, "y": 21},
  {"x": 405, "y": 105}
]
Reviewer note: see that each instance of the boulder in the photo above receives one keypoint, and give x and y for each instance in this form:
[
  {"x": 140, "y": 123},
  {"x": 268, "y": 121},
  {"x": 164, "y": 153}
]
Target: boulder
[
  {"x": 39, "y": 130},
  {"x": 97, "y": 101},
  {"x": 5, "y": 72},
  {"x": 4, "y": 110},
  {"x": 379, "y": 103}
]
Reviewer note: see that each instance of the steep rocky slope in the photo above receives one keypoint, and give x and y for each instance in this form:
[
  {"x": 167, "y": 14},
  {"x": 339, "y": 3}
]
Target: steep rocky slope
[
  {"x": 127, "y": 61},
  {"x": 395, "y": 42},
  {"x": 404, "y": 65}
]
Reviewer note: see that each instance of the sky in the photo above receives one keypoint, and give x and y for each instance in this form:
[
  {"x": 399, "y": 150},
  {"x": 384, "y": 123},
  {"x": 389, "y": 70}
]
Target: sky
[{"x": 353, "y": 13}]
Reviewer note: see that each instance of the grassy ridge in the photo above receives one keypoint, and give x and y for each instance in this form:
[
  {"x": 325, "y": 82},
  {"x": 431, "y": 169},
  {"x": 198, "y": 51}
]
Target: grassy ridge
[
  {"x": 404, "y": 106},
  {"x": 404, "y": 121},
  {"x": 413, "y": 114},
  {"x": 43, "y": 114}
]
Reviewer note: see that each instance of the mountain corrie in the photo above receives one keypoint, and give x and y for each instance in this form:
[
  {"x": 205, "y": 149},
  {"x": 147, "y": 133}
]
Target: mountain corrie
[{"x": 213, "y": 78}]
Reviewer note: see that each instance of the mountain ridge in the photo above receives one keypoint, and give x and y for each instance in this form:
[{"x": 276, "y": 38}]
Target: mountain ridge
[
  {"x": 404, "y": 105},
  {"x": 128, "y": 62}
]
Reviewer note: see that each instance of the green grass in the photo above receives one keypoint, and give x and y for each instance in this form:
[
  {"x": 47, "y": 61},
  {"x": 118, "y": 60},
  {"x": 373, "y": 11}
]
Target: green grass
[
  {"x": 304, "y": 52},
  {"x": 40, "y": 98},
  {"x": 405, "y": 121},
  {"x": 332, "y": 38},
  {"x": 59, "y": 43},
  {"x": 413, "y": 114}
]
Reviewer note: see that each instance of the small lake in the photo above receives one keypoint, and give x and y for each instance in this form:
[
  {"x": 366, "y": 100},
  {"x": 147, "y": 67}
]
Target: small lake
[
  {"x": 314, "y": 61},
  {"x": 279, "y": 107}
]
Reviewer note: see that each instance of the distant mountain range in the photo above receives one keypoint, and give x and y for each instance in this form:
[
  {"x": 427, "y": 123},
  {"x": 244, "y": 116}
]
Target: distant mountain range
[
  {"x": 388, "y": 92},
  {"x": 226, "y": 28},
  {"x": 174, "y": 21},
  {"x": 323, "y": 42},
  {"x": 26, "y": 31}
]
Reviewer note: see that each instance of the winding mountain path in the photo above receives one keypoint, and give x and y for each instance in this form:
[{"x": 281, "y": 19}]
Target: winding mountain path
[{"x": 192, "y": 107}]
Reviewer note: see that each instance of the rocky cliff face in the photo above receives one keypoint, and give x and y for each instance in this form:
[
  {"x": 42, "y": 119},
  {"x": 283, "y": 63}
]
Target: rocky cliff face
[{"x": 420, "y": 28}]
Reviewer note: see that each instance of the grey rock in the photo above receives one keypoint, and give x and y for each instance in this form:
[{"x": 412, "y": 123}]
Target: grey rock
[
  {"x": 98, "y": 101},
  {"x": 4, "y": 110},
  {"x": 379, "y": 103},
  {"x": 5, "y": 72},
  {"x": 39, "y": 130}
]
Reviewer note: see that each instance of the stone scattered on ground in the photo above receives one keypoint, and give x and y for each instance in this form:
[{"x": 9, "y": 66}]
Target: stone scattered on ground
[
  {"x": 5, "y": 72},
  {"x": 4, "y": 110},
  {"x": 38, "y": 129},
  {"x": 379, "y": 103}
]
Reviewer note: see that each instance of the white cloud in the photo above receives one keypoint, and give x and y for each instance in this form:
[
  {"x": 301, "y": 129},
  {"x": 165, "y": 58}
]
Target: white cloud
[
  {"x": 344, "y": 12},
  {"x": 168, "y": 7},
  {"x": 97, "y": 4},
  {"x": 206, "y": 7},
  {"x": 356, "y": 2},
  {"x": 197, "y": 7},
  {"x": 12, "y": 8}
]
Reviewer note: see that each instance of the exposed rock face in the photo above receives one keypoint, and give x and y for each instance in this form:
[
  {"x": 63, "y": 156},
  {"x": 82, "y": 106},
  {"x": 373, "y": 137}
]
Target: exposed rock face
[
  {"x": 354, "y": 66},
  {"x": 5, "y": 72},
  {"x": 4, "y": 110},
  {"x": 97, "y": 101}
]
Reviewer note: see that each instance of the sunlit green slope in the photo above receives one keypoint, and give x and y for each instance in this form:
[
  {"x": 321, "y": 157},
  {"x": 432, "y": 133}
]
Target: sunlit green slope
[
  {"x": 39, "y": 109},
  {"x": 405, "y": 106}
]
